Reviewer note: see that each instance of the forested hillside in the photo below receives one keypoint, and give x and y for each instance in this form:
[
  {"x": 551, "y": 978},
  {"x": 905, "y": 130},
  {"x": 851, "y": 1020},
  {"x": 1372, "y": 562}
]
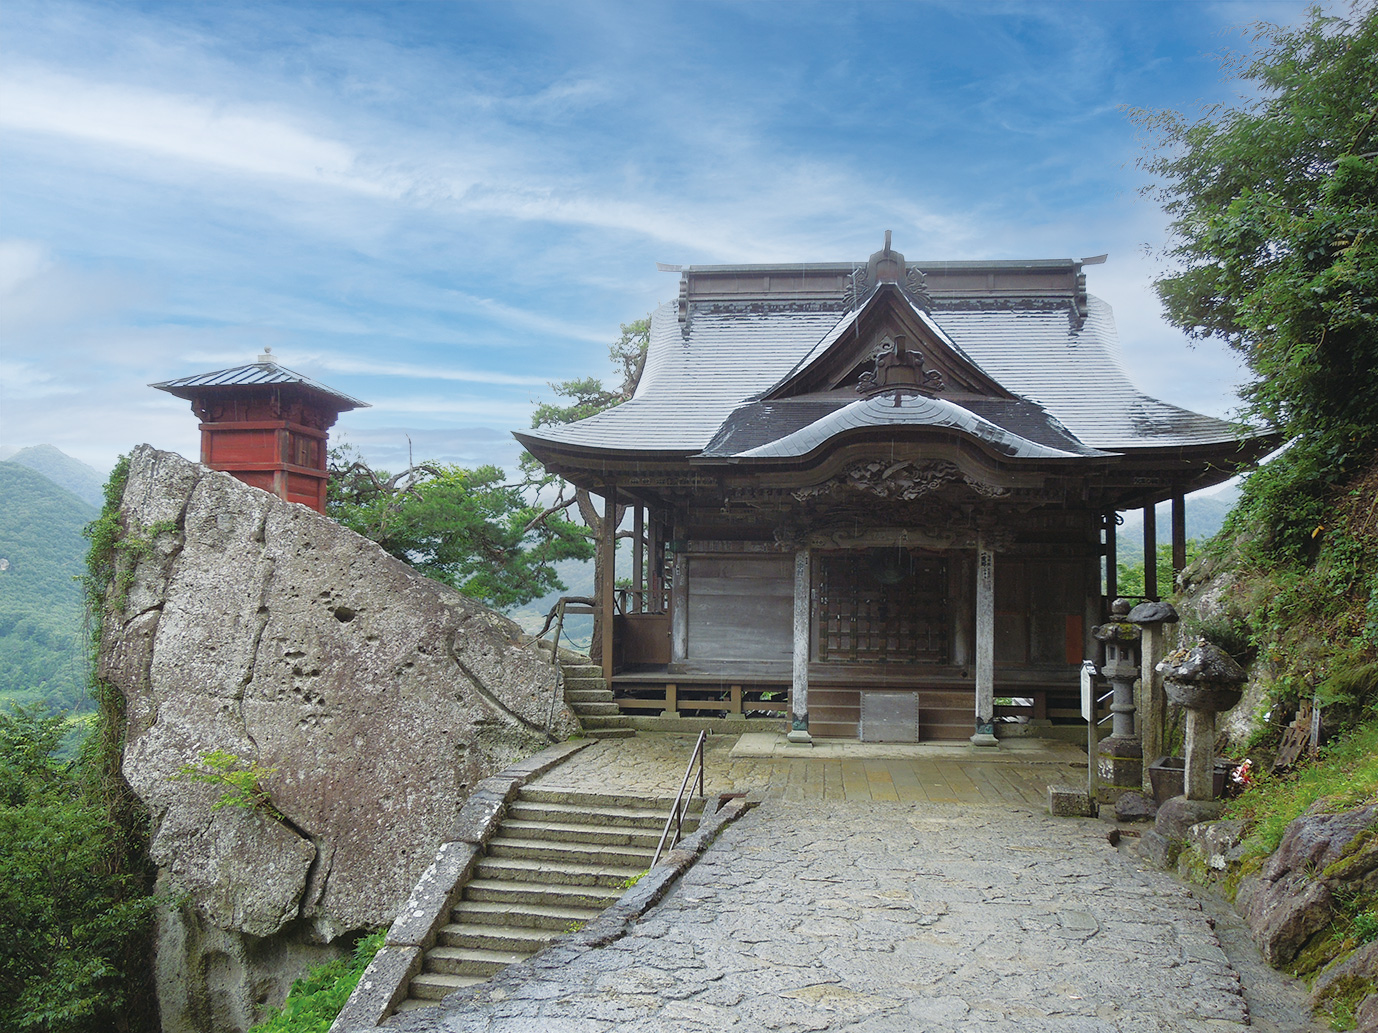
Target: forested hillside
[
  {"x": 42, "y": 642},
  {"x": 81, "y": 480}
]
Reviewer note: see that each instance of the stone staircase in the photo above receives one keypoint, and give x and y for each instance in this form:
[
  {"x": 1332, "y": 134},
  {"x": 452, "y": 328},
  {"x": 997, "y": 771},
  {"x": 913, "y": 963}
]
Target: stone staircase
[
  {"x": 592, "y": 701},
  {"x": 557, "y": 860}
]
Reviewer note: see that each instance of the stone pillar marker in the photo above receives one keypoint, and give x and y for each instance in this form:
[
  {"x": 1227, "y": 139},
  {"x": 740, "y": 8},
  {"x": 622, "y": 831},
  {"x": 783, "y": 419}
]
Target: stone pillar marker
[
  {"x": 1151, "y": 617},
  {"x": 1120, "y": 757},
  {"x": 799, "y": 687},
  {"x": 985, "y": 646},
  {"x": 1204, "y": 680}
]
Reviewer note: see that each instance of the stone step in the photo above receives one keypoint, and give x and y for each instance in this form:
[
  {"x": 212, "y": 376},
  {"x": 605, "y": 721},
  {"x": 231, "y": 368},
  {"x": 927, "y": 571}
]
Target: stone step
[
  {"x": 621, "y": 732},
  {"x": 574, "y": 832},
  {"x": 413, "y": 1003},
  {"x": 576, "y": 812},
  {"x": 517, "y": 869},
  {"x": 573, "y": 696},
  {"x": 432, "y": 986},
  {"x": 521, "y": 894},
  {"x": 603, "y": 804},
  {"x": 582, "y": 670},
  {"x": 470, "y": 961},
  {"x": 516, "y": 939},
  {"x": 598, "y": 855},
  {"x": 595, "y": 721},
  {"x": 550, "y": 917},
  {"x": 590, "y": 710}
]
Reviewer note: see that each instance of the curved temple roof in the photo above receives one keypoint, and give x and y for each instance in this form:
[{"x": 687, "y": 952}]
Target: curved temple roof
[{"x": 717, "y": 354}]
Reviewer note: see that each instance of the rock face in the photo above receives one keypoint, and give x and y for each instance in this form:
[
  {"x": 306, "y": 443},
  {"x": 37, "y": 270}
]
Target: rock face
[
  {"x": 1320, "y": 855},
  {"x": 372, "y": 698}
]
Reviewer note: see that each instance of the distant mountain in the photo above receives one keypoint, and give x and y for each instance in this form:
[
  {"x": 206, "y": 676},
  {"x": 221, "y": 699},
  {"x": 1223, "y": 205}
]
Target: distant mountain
[
  {"x": 83, "y": 481},
  {"x": 1205, "y": 515},
  {"x": 42, "y": 553}
]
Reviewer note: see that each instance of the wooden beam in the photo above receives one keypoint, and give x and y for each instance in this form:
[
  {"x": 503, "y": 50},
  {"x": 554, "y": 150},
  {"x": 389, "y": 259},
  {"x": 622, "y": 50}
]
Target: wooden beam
[
  {"x": 1151, "y": 550},
  {"x": 606, "y": 604}
]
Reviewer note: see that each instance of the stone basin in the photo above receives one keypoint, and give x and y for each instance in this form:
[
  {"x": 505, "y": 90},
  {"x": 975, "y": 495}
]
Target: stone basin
[{"x": 1202, "y": 695}]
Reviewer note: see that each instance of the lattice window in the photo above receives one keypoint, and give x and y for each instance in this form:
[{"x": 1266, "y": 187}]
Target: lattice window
[{"x": 882, "y": 605}]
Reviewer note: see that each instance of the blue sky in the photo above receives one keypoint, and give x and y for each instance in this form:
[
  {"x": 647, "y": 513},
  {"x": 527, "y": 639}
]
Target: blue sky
[{"x": 440, "y": 207}]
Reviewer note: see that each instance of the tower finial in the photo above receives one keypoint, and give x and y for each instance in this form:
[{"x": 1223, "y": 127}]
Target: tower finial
[{"x": 887, "y": 240}]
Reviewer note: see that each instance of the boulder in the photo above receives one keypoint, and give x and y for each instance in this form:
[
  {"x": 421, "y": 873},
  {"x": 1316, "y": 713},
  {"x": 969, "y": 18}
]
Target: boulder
[
  {"x": 1216, "y": 841},
  {"x": 372, "y": 700},
  {"x": 1134, "y": 807},
  {"x": 1291, "y": 897}
]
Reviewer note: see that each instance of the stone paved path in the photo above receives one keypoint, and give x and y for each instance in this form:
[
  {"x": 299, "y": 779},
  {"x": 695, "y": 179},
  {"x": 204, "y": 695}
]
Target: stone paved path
[
  {"x": 653, "y": 765},
  {"x": 873, "y": 917}
]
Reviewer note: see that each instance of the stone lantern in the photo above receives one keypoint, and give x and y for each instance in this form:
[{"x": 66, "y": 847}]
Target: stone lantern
[
  {"x": 1204, "y": 680},
  {"x": 1120, "y": 758},
  {"x": 1151, "y": 617}
]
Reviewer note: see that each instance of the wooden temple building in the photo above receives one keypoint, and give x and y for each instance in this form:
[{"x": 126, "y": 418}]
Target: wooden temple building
[
  {"x": 885, "y": 492},
  {"x": 267, "y": 426}
]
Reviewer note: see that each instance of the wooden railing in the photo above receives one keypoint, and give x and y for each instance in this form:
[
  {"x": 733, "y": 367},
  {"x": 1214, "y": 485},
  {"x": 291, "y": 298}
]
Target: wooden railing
[{"x": 704, "y": 701}]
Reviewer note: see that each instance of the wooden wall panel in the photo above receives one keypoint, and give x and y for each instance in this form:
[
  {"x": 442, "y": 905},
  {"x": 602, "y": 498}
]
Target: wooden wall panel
[{"x": 741, "y": 607}]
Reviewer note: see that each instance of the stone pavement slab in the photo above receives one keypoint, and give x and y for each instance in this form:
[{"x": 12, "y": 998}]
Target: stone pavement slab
[{"x": 873, "y": 917}]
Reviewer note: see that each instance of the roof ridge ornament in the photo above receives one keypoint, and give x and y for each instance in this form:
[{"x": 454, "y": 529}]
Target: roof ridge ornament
[
  {"x": 886, "y": 265},
  {"x": 898, "y": 367}
]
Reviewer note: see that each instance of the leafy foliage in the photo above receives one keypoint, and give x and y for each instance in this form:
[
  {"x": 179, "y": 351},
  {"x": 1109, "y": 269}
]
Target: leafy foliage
[
  {"x": 466, "y": 528},
  {"x": 1275, "y": 243},
  {"x": 241, "y": 781},
  {"x": 73, "y": 923},
  {"x": 1275, "y": 213},
  {"x": 316, "y": 999},
  {"x": 1129, "y": 576}
]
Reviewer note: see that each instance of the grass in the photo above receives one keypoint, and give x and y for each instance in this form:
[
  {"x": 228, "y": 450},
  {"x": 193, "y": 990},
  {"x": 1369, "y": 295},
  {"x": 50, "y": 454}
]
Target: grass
[
  {"x": 1345, "y": 776},
  {"x": 317, "y": 997}
]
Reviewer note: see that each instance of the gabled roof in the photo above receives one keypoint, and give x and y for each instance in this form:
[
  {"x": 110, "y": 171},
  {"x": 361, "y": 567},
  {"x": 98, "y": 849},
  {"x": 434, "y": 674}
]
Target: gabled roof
[
  {"x": 264, "y": 373},
  {"x": 852, "y": 341}
]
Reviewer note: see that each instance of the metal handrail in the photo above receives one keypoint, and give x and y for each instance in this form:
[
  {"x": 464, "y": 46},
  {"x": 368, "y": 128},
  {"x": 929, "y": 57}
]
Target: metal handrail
[{"x": 681, "y": 807}]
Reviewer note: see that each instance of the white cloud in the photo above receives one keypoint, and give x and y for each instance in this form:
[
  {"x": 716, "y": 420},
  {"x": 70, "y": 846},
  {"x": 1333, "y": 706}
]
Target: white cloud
[{"x": 236, "y": 138}]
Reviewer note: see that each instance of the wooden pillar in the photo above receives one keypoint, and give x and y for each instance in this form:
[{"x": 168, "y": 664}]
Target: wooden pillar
[
  {"x": 638, "y": 534},
  {"x": 960, "y": 587},
  {"x": 1179, "y": 535},
  {"x": 679, "y": 607},
  {"x": 985, "y": 645},
  {"x": 799, "y": 686},
  {"x": 1151, "y": 550},
  {"x": 655, "y": 558},
  {"x": 606, "y": 603},
  {"x": 1112, "y": 570}
]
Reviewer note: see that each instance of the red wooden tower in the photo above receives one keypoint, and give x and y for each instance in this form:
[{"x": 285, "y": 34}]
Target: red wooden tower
[{"x": 266, "y": 425}]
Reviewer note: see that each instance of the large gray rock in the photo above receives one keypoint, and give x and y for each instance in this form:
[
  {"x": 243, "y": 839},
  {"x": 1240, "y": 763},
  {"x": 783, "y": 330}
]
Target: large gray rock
[
  {"x": 1291, "y": 898},
  {"x": 375, "y": 698}
]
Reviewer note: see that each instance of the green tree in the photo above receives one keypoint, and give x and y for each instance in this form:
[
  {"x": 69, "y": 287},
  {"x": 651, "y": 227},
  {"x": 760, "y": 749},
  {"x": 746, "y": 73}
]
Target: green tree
[
  {"x": 74, "y": 925},
  {"x": 1274, "y": 239},
  {"x": 466, "y": 528},
  {"x": 585, "y": 398}
]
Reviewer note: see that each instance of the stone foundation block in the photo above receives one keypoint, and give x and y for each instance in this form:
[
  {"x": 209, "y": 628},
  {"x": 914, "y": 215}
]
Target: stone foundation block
[{"x": 1070, "y": 802}]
